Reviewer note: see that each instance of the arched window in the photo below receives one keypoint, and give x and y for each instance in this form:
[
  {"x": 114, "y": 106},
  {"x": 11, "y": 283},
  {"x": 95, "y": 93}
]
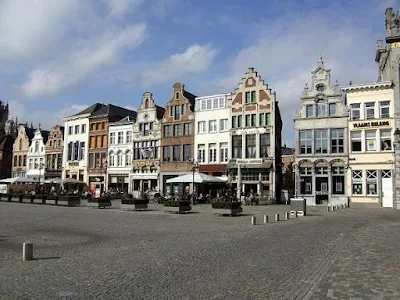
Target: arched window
[
  {"x": 128, "y": 158},
  {"x": 147, "y": 103},
  {"x": 111, "y": 158},
  {"x": 20, "y": 144},
  {"x": 119, "y": 159}
]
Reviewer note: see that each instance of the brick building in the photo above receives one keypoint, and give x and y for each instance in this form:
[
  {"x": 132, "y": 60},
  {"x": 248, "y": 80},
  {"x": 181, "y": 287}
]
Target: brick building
[
  {"x": 98, "y": 145},
  {"x": 256, "y": 164},
  {"x": 54, "y": 152},
  {"x": 177, "y": 138}
]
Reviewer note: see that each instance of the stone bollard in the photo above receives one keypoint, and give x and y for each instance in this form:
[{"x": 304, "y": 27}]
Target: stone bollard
[
  {"x": 253, "y": 220},
  {"x": 293, "y": 214},
  {"x": 328, "y": 208},
  {"x": 27, "y": 251},
  {"x": 276, "y": 217},
  {"x": 286, "y": 216},
  {"x": 265, "y": 219}
]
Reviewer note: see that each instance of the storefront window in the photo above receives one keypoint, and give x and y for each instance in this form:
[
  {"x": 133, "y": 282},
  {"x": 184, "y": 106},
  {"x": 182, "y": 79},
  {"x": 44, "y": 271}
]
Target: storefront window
[
  {"x": 305, "y": 181},
  {"x": 357, "y": 182},
  {"x": 372, "y": 182},
  {"x": 338, "y": 180}
]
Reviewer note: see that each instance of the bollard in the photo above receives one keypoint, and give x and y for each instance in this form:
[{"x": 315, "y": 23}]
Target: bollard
[
  {"x": 300, "y": 213},
  {"x": 27, "y": 251},
  {"x": 265, "y": 219},
  {"x": 286, "y": 216},
  {"x": 253, "y": 220},
  {"x": 276, "y": 217},
  {"x": 327, "y": 208},
  {"x": 293, "y": 214}
]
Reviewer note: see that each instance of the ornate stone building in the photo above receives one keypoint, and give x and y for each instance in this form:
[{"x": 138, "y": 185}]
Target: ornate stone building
[
  {"x": 54, "y": 152},
  {"x": 388, "y": 59},
  {"x": 98, "y": 145},
  {"x": 321, "y": 155},
  {"x": 36, "y": 156},
  {"x": 146, "y": 147},
  {"x": 20, "y": 150},
  {"x": 177, "y": 138},
  {"x": 256, "y": 163}
]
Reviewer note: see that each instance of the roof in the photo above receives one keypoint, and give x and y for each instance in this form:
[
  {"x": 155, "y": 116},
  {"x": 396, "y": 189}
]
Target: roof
[
  {"x": 125, "y": 121},
  {"x": 190, "y": 97},
  {"x": 113, "y": 110},
  {"x": 287, "y": 151},
  {"x": 90, "y": 110},
  {"x": 160, "y": 112},
  {"x": 7, "y": 143},
  {"x": 384, "y": 84},
  {"x": 45, "y": 135}
]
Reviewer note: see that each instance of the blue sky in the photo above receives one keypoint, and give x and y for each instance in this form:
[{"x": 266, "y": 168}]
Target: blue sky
[{"x": 60, "y": 56}]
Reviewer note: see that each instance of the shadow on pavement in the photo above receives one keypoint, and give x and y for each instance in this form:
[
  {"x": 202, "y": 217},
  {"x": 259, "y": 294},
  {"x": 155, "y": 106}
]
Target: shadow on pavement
[{"x": 46, "y": 258}]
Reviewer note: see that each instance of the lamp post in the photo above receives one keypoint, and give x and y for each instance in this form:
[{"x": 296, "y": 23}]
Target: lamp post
[
  {"x": 397, "y": 167},
  {"x": 194, "y": 196}
]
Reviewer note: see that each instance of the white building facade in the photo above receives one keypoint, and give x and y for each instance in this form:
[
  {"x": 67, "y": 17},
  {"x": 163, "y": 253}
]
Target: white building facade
[
  {"x": 146, "y": 147},
  {"x": 120, "y": 150},
  {"x": 321, "y": 156},
  {"x": 371, "y": 144},
  {"x": 36, "y": 156},
  {"x": 76, "y": 139},
  {"x": 212, "y": 134}
]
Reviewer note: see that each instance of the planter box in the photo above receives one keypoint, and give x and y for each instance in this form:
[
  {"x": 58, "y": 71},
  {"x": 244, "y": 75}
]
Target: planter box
[
  {"x": 14, "y": 199},
  {"x": 38, "y": 200},
  {"x": 26, "y": 200},
  {"x": 99, "y": 204},
  {"x": 180, "y": 209},
  {"x": 227, "y": 211},
  {"x": 51, "y": 201},
  {"x": 134, "y": 206}
]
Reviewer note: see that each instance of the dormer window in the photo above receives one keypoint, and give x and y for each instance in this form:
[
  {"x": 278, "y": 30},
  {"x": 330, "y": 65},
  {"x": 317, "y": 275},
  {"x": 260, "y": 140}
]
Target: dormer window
[{"x": 321, "y": 110}]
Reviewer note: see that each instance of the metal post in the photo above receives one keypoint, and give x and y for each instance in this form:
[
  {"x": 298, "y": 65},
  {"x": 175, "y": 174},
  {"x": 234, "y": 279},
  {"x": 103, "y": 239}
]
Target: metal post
[
  {"x": 27, "y": 251},
  {"x": 239, "y": 183}
]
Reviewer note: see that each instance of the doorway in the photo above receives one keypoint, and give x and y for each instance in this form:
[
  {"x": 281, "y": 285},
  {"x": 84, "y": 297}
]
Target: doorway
[{"x": 387, "y": 188}]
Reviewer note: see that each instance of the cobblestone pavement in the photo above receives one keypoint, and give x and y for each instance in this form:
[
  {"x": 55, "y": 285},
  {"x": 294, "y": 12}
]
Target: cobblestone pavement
[{"x": 83, "y": 253}]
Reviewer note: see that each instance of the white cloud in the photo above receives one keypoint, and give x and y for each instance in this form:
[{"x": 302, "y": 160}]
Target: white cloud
[
  {"x": 195, "y": 59},
  {"x": 285, "y": 55},
  {"x": 93, "y": 56},
  {"x": 121, "y": 7},
  {"x": 42, "y": 116},
  {"x": 31, "y": 29}
]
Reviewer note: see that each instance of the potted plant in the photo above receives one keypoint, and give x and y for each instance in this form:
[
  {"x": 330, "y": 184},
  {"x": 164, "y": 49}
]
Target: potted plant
[
  {"x": 227, "y": 208},
  {"x": 101, "y": 202},
  {"x": 51, "y": 199},
  {"x": 177, "y": 206},
  {"x": 133, "y": 204},
  {"x": 69, "y": 200}
]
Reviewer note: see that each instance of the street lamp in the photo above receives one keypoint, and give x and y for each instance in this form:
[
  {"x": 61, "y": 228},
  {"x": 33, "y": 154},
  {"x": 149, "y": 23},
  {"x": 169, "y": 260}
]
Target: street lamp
[{"x": 195, "y": 165}]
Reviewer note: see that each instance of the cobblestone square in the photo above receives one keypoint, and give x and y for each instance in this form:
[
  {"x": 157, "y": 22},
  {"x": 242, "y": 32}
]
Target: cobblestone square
[{"x": 83, "y": 253}]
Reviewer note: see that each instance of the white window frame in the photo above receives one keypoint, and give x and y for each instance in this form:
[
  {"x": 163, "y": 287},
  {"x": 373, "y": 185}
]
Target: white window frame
[
  {"x": 212, "y": 126},
  {"x": 120, "y": 137},
  {"x": 356, "y": 179},
  {"x": 112, "y": 138},
  {"x": 370, "y": 141},
  {"x": 369, "y": 106},
  {"x": 386, "y": 135},
  {"x": 355, "y": 107},
  {"x": 212, "y": 153},
  {"x": 352, "y": 138},
  {"x": 129, "y": 137},
  {"x": 382, "y": 106},
  {"x": 372, "y": 179},
  {"x": 201, "y": 127},
  {"x": 223, "y": 152},
  {"x": 223, "y": 125},
  {"x": 201, "y": 156}
]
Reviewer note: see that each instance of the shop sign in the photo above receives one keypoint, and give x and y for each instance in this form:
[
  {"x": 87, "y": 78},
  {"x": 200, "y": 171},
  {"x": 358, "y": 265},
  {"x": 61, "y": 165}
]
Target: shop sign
[
  {"x": 73, "y": 164},
  {"x": 249, "y": 161},
  {"x": 371, "y": 124},
  {"x": 252, "y": 130},
  {"x": 321, "y": 193},
  {"x": 147, "y": 163}
]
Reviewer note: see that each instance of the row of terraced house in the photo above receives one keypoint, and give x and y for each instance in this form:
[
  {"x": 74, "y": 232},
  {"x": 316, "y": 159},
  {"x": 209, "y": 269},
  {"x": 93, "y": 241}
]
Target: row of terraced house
[{"x": 234, "y": 136}]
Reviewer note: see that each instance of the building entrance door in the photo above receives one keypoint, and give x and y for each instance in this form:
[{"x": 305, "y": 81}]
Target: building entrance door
[{"x": 387, "y": 188}]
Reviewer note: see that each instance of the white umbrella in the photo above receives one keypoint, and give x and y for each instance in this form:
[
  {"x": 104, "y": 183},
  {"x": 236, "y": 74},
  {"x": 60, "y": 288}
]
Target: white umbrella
[
  {"x": 196, "y": 178},
  {"x": 71, "y": 180},
  {"x": 19, "y": 180},
  {"x": 53, "y": 180}
]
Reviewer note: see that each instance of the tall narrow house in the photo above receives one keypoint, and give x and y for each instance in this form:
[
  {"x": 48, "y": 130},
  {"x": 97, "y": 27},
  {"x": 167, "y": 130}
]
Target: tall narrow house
[
  {"x": 177, "y": 138},
  {"x": 256, "y": 163},
  {"x": 321, "y": 155}
]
